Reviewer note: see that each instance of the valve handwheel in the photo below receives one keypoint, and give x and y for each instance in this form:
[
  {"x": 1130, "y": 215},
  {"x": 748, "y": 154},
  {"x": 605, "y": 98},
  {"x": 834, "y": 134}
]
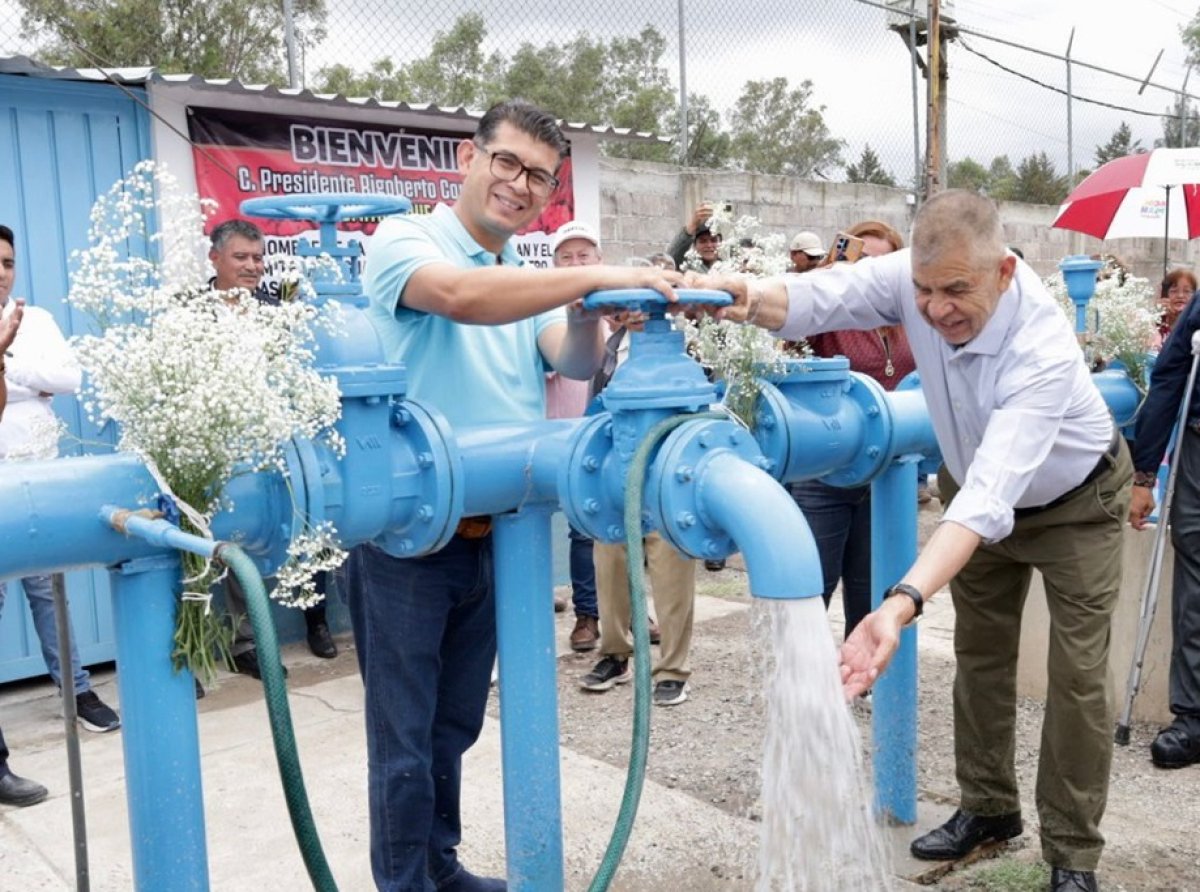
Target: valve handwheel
[
  {"x": 325, "y": 208},
  {"x": 650, "y": 302}
]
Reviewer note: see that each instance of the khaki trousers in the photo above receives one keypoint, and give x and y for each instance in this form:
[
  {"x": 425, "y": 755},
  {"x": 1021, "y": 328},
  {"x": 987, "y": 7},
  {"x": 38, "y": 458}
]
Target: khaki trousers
[
  {"x": 1076, "y": 545},
  {"x": 673, "y": 583}
]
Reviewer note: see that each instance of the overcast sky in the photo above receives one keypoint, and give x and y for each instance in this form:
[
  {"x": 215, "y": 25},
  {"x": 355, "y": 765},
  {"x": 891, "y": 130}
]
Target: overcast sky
[{"x": 860, "y": 71}]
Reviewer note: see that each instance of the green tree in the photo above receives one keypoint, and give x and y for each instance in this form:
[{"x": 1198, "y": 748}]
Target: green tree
[
  {"x": 869, "y": 170},
  {"x": 709, "y": 145},
  {"x": 775, "y": 130},
  {"x": 383, "y": 81},
  {"x": 217, "y": 38},
  {"x": 1038, "y": 182},
  {"x": 968, "y": 174},
  {"x": 456, "y": 71},
  {"x": 1120, "y": 144},
  {"x": 1002, "y": 179},
  {"x": 1172, "y": 121},
  {"x": 621, "y": 82}
]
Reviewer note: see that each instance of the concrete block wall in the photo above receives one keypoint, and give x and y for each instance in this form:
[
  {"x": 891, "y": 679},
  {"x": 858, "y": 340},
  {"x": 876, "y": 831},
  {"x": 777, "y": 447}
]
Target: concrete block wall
[{"x": 643, "y": 204}]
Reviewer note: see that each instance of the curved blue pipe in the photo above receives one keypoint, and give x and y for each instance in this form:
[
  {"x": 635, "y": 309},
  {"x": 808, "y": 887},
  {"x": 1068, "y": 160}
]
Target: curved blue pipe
[{"x": 765, "y": 522}]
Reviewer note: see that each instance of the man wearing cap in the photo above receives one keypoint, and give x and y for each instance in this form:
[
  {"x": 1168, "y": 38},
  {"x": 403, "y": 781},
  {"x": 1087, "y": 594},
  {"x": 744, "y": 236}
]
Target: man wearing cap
[
  {"x": 576, "y": 244},
  {"x": 696, "y": 234},
  {"x": 806, "y": 252}
]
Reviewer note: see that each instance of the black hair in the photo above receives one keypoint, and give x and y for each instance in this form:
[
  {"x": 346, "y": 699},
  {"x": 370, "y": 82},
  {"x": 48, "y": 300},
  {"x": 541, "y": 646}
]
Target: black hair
[
  {"x": 6, "y": 235},
  {"x": 527, "y": 118},
  {"x": 227, "y": 230}
]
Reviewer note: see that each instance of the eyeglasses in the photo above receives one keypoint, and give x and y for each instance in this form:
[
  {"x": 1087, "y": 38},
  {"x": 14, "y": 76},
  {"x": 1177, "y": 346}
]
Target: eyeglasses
[{"x": 507, "y": 167}]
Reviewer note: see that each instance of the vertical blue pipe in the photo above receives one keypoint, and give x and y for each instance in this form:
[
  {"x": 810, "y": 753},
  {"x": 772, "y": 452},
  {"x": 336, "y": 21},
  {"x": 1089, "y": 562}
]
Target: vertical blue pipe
[
  {"x": 528, "y": 700},
  {"x": 159, "y": 733},
  {"x": 894, "y": 708}
]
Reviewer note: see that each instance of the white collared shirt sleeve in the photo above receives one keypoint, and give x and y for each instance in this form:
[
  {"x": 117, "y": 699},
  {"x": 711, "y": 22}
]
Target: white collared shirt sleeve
[
  {"x": 859, "y": 296},
  {"x": 41, "y": 360}
]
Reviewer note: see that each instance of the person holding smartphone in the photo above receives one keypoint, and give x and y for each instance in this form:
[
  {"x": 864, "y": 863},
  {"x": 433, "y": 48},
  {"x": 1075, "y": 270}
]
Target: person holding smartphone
[{"x": 697, "y": 235}]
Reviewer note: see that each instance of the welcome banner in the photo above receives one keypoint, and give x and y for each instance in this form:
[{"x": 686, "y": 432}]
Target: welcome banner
[{"x": 239, "y": 155}]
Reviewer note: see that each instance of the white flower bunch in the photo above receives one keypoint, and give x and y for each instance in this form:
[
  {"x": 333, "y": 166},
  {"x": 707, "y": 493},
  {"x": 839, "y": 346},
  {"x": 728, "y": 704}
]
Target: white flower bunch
[
  {"x": 204, "y": 384},
  {"x": 208, "y": 385},
  {"x": 1122, "y": 322},
  {"x": 738, "y": 354},
  {"x": 314, "y": 550}
]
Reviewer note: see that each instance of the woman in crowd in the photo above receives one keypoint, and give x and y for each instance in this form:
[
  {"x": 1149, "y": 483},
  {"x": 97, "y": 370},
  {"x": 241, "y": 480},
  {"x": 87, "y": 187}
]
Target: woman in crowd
[{"x": 1177, "y": 289}]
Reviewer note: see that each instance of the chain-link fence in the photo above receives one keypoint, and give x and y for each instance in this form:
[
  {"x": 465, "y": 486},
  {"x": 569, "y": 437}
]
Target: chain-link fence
[{"x": 1010, "y": 127}]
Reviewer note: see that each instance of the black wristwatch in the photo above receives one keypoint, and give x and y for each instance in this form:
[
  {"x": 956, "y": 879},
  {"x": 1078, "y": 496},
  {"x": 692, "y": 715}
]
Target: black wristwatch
[{"x": 903, "y": 588}]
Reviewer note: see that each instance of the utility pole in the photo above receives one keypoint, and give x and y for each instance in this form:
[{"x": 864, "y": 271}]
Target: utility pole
[
  {"x": 683, "y": 97},
  {"x": 934, "y": 32},
  {"x": 935, "y": 111},
  {"x": 289, "y": 39}
]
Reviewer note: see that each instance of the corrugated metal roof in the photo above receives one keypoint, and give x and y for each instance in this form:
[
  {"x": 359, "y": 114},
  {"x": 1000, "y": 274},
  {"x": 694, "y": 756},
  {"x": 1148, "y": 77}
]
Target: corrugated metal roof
[{"x": 27, "y": 67}]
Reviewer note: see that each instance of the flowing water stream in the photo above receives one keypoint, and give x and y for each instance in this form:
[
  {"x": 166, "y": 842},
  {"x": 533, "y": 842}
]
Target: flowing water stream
[{"x": 818, "y": 829}]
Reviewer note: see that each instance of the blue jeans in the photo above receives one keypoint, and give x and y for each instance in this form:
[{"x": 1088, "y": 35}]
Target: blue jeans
[
  {"x": 425, "y": 632},
  {"x": 840, "y": 520},
  {"x": 583, "y": 575},
  {"x": 39, "y": 592}
]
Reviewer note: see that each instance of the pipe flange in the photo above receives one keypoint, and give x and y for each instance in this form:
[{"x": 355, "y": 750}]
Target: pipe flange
[
  {"x": 676, "y": 479},
  {"x": 430, "y": 486},
  {"x": 874, "y": 453},
  {"x": 582, "y": 482},
  {"x": 771, "y": 428}
]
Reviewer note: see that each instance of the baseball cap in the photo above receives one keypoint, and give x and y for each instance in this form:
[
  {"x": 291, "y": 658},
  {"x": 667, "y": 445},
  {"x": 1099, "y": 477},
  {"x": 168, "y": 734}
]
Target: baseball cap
[
  {"x": 809, "y": 243},
  {"x": 574, "y": 229}
]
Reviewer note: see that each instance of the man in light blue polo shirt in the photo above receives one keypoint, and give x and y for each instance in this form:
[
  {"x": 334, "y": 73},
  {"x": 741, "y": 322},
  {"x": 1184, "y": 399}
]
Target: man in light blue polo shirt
[{"x": 477, "y": 334}]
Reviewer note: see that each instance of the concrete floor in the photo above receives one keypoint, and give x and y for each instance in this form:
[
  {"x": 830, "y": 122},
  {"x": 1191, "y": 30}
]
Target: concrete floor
[{"x": 250, "y": 845}]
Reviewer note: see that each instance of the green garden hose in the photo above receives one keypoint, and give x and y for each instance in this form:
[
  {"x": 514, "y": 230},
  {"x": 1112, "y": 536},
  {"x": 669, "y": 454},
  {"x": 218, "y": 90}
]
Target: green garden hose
[
  {"x": 634, "y": 560},
  {"x": 275, "y": 692}
]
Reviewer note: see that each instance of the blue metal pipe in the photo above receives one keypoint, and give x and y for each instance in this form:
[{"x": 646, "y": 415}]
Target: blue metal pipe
[
  {"x": 508, "y": 466},
  {"x": 528, "y": 700},
  {"x": 769, "y": 529},
  {"x": 806, "y": 425},
  {"x": 1120, "y": 393},
  {"x": 52, "y": 534},
  {"x": 159, "y": 734},
  {"x": 894, "y": 707}
]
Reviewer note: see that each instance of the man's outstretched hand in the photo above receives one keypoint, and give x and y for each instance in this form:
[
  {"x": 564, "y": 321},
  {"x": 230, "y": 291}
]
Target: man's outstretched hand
[{"x": 868, "y": 650}]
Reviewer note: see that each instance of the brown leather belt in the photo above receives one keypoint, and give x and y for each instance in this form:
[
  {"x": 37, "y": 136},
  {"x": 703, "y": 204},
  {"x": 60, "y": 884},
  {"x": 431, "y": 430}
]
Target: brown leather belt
[
  {"x": 1106, "y": 461},
  {"x": 474, "y": 527}
]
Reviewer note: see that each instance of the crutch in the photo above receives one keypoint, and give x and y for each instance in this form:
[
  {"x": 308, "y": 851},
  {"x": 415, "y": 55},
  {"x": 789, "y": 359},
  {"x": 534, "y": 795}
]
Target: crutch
[{"x": 1150, "y": 597}]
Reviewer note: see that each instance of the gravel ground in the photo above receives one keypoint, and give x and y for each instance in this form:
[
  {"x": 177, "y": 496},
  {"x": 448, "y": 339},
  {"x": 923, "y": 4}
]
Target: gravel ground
[{"x": 710, "y": 748}]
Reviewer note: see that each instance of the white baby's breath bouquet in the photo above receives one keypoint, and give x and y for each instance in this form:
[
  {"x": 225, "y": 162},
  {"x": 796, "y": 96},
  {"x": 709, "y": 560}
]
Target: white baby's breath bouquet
[
  {"x": 738, "y": 354},
  {"x": 203, "y": 384},
  {"x": 1122, "y": 321}
]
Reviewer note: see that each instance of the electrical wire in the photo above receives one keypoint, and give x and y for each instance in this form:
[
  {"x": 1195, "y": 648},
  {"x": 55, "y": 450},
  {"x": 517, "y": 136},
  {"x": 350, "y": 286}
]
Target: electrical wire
[{"x": 1074, "y": 96}]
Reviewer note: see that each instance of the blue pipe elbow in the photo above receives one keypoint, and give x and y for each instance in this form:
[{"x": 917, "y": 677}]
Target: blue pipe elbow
[{"x": 770, "y": 530}]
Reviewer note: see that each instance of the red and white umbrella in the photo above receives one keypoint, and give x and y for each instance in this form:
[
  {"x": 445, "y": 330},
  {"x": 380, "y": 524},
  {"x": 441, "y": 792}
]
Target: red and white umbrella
[{"x": 1152, "y": 195}]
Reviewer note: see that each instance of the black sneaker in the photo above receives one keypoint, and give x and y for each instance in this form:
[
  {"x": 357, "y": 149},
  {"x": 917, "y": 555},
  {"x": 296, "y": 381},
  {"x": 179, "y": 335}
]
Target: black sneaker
[
  {"x": 608, "y": 672},
  {"x": 670, "y": 693},
  {"x": 94, "y": 715}
]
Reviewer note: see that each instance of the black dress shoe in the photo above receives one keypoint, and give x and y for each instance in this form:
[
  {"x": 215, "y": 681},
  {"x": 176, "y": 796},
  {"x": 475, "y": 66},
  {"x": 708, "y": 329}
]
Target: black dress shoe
[
  {"x": 320, "y": 642},
  {"x": 1174, "y": 747},
  {"x": 963, "y": 832},
  {"x": 247, "y": 663},
  {"x": 20, "y": 791},
  {"x": 1063, "y": 880}
]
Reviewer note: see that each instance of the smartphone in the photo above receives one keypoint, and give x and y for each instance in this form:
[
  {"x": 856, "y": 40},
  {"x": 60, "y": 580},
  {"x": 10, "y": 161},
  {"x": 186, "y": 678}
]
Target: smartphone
[{"x": 845, "y": 249}]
